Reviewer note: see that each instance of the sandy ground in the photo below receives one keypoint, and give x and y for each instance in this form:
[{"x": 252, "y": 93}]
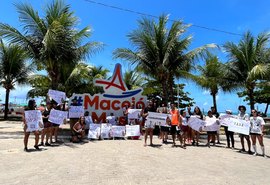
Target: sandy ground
[{"x": 126, "y": 162}]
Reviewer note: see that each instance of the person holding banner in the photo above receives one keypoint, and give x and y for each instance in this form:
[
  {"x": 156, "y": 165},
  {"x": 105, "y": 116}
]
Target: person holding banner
[
  {"x": 184, "y": 126},
  {"x": 31, "y": 106},
  {"x": 55, "y": 127},
  {"x": 79, "y": 130},
  {"x": 244, "y": 116},
  {"x": 256, "y": 131},
  {"x": 229, "y": 134},
  {"x": 149, "y": 126},
  {"x": 175, "y": 123},
  {"x": 88, "y": 121},
  {"x": 211, "y": 135},
  {"x": 196, "y": 134},
  {"x": 164, "y": 129},
  {"x": 47, "y": 125}
]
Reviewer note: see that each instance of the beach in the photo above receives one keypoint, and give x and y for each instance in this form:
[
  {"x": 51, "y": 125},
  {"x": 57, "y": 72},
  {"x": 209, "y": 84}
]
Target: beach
[{"x": 126, "y": 162}]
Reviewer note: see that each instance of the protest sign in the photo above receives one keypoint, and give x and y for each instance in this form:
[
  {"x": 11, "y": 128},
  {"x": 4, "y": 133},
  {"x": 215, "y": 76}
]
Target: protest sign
[
  {"x": 225, "y": 119},
  {"x": 94, "y": 131},
  {"x": 118, "y": 131},
  {"x": 76, "y": 111},
  {"x": 33, "y": 119},
  {"x": 105, "y": 132},
  {"x": 196, "y": 123},
  {"x": 239, "y": 126},
  {"x": 57, "y": 116},
  {"x": 133, "y": 130},
  {"x": 57, "y": 96},
  {"x": 134, "y": 113},
  {"x": 211, "y": 124},
  {"x": 157, "y": 118}
]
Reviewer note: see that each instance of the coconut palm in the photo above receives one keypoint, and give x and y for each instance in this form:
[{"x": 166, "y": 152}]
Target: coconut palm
[
  {"x": 53, "y": 41},
  {"x": 133, "y": 79},
  {"x": 13, "y": 69},
  {"x": 246, "y": 60},
  {"x": 159, "y": 51}
]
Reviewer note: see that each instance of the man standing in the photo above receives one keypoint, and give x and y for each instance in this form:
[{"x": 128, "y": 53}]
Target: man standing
[{"x": 175, "y": 124}]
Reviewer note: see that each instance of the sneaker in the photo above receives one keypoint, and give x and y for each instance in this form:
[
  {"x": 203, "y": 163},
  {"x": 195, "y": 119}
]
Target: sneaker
[
  {"x": 47, "y": 144},
  {"x": 242, "y": 150},
  {"x": 36, "y": 147},
  {"x": 250, "y": 152},
  {"x": 26, "y": 149},
  {"x": 255, "y": 154}
]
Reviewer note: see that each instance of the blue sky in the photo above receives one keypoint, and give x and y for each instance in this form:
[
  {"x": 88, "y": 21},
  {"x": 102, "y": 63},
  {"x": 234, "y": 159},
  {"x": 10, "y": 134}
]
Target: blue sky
[{"x": 111, "y": 26}]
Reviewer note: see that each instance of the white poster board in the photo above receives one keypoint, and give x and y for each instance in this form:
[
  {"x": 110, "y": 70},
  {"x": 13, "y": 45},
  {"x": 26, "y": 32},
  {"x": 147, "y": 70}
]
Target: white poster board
[
  {"x": 211, "y": 124},
  {"x": 57, "y": 116},
  {"x": 157, "y": 118},
  {"x": 134, "y": 113},
  {"x": 75, "y": 111},
  {"x": 57, "y": 96},
  {"x": 133, "y": 130},
  {"x": 118, "y": 131},
  {"x": 33, "y": 119},
  {"x": 225, "y": 119},
  {"x": 196, "y": 123},
  {"x": 94, "y": 131},
  {"x": 105, "y": 132},
  {"x": 239, "y": 126}
]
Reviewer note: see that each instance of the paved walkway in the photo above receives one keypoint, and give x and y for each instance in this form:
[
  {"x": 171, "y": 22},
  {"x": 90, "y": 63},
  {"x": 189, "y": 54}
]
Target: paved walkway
[{"x": 126, "y": 162}]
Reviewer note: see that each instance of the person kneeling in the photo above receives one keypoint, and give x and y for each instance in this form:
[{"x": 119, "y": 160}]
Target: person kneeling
[{"x": 79, "y": 130}]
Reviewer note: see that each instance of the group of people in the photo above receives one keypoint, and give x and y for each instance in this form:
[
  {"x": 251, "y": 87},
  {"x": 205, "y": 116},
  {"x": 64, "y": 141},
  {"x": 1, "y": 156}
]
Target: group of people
[{"x": 176, "y": 124}]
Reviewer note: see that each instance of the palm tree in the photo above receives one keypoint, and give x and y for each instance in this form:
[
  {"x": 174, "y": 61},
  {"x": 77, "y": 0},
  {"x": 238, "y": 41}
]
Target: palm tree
[
  {"x": 246, "y": 60},
  {"x": 160, "y": 51},
  {"x": 211, "y": 76},
  {"x": 13, "y": 69},
  {"x": 133, "y": 79},
  {"x": 53, "y": 41}
]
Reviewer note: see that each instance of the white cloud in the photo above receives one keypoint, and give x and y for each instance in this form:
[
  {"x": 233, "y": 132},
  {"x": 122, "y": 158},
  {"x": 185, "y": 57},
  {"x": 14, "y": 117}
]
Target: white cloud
[
  {"x": 206, "y": 92},
  {"x": 205, "y": 103}
]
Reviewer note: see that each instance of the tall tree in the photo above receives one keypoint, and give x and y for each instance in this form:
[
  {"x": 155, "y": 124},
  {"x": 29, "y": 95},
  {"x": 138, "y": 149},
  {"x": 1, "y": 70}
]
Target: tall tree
[
  {"x": 53, "y": 41},
  {"x": 245, "y": 61},
  {"x": 160, "y": 51},
  {"x": 13, "y": 69}
]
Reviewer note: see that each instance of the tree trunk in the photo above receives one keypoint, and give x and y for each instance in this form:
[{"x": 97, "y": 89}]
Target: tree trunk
[
  {"x": 251, "y": 99},
  {"x": 6, "y": 104},
  {"x": 214, "y": 101},
  {"x": 266, "y": 109},
  {"x": 165, "y": 93}
]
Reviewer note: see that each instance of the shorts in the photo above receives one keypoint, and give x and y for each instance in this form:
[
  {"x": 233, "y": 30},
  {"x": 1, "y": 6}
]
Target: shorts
[
  {"x": 184, "y": 128},
  {"x": 149, "y": 124},
  {"x": 47, "y": 124},
  {"x": 243, "y": 135},
  {"x": 165, "y": 128},
  {"x": 255, "y": 134},
  {"x": 211, "y": 132},
  {"x": 55, "y": 125},
  {"x": 173, "y": 129}
]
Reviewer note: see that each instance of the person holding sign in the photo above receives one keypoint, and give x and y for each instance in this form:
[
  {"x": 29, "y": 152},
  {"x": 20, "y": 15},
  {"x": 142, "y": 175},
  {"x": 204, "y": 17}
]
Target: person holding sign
[
  {"x": 31, "y": 106},
  {"x": 184, "y": 125},
  {"x": 149, "y": 125},
  {"x": 175, "y": 123},
  {"x": 211, "y": 135},
  {"x": 196, "y": 134},
  {"x": 256, "y": 131},
  {"x": 47, "y": 125},
  {"x": 229, "y": 134},
  {"x": 78, "y": 129},
  {"x": 244, "y": 116},
  {"x": 88, "y": 122}
]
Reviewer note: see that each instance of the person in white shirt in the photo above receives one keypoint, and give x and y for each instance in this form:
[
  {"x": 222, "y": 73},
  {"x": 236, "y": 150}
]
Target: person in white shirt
[
  {"x": 88, "y": 121},
  {"x": 111, "y": 119},
  {"x": 256, "y": 131}
]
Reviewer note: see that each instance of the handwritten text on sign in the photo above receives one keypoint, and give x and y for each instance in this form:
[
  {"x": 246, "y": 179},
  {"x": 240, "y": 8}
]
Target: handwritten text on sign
[
  {"x": 33, "y": 120},
  {"x": 76, "y": 111},
  {"x": 57, "y": 116},
  {"x": 57, "y": 96},
  {"x": 239, "y": 126}
]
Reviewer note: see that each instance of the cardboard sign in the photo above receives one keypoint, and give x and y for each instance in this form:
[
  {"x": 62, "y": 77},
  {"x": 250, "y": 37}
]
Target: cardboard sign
[
  {"x": 196, "y": 123},
  {"x": 33, "y": 119},
  {"x": 57, "y": 96},
  {"x": 76, "y": 111},
  {"x": 133, "y": 130},
  {"x": 105, "y": 132},
  {"x": 57, "y": 116},
  {"x": 225, "y": 119},
  {"x": 211, "y": 124},
  {"x": 157, "y": 118},
  {"x": 239, "y": 126},
  {"x": 118, "y": 131},
  {"x": 134, "y": 113},
  {"x": 94, "y": 131}
]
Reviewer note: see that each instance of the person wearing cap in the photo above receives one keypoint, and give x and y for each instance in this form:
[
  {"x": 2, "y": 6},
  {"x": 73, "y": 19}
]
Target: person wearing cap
[
  {"x": 31, "y": 106},
  {"x": 244, "y": 116},
  {"x": 229, "y": 134}
]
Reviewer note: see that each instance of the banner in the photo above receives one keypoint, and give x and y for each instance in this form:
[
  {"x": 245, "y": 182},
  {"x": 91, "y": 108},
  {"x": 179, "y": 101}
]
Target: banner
[
  {"x": 157, "y": 118},
  {"x": 196, "y": 123},
  {"x": 94, "y": 131},
  {"x": 105, "y": 132},
  {"x": 211, "y": 124},
  {"x": 225, "y": 119},
  {"x": 57, "y": 116},
  {"x": 133, "y": 130},
  {"x": 75, "y": 111},
  {"x": 33, "y": 119},
  {"x": 118, "y": 131},
  {"x": 57, "y": 96},
  {"x": 134, "y": 113},
  {"x": 239, "y": 126}
]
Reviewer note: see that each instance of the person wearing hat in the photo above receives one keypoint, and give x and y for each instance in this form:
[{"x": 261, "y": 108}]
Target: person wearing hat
[
  {"x": 244, "y": 116},
  {"x": 229, "y": 134}
]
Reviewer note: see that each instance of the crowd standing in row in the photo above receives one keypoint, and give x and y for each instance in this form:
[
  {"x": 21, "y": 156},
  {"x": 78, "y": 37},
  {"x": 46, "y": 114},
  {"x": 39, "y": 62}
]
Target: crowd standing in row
[{"x": 176, "y": 125}]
